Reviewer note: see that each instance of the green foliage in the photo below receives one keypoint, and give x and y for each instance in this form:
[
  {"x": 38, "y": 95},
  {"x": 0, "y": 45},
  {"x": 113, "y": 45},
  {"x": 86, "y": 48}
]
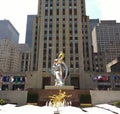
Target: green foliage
[
  {"x": 117, "y": 104},
  {"x": 85, "y": 98},
  {"x": 32, "y": 97},
  {"x": 2, "y": 102}
]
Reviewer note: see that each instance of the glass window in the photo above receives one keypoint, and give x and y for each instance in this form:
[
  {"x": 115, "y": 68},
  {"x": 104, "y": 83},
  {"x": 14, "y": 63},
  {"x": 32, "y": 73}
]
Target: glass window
[
  {"x": 51, "y": 12},
  {"x": 70, "y": 11},
  {"x": 46, "y": 12}
]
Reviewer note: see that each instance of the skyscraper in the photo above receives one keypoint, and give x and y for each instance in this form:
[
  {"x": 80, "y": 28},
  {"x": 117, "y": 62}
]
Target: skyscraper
[
  {"x": 8, "y": 31},
  {"x": 106, "y": 39},
  {"x": 9, "y": 56},
  {"x": 61, "y": 25},
  {"x": 29, "y": 29},
  {"x": 9, "y": 53}
]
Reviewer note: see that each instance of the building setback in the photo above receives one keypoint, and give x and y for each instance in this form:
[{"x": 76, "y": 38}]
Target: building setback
[{"x": 25, "y": 53}]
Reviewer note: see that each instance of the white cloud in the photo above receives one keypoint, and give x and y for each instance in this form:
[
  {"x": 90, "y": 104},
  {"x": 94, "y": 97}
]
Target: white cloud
[
  {"x": 110, "y": 9},
  {"x": 92, "y": 9}
]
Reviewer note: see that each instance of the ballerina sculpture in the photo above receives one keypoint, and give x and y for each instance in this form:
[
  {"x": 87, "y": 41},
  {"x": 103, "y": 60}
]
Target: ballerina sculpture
[{"x": 59, "y": 70}]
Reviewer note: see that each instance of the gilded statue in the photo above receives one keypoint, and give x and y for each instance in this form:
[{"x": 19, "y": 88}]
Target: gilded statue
[{"x": 59, "y": 99}]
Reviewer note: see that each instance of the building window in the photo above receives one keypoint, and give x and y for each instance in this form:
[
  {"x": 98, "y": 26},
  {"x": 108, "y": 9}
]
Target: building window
[
  {"x": 46, "y": 12},
  {"x": 77, "y": 65},
  {"x": 44, "y": 64},
  {"x": 70, "y": 11},
  {"x": 57, "y": 11},
  {"x": 71, "y": 58},
  {"x": 51, "y": 12},
  {"x": 75, "y": 11},
  {"x": 63, "y": 11},
  {"x": 49, "y": 64},
  {"x": 71, "y": 65}
]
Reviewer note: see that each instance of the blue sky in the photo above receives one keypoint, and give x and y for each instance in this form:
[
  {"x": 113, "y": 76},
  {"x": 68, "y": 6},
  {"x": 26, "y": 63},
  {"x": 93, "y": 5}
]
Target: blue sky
[
  {"x": 103, "y": 9},
  {"x": 17, "y": 10},
  {"x": 92, "y": 9}
]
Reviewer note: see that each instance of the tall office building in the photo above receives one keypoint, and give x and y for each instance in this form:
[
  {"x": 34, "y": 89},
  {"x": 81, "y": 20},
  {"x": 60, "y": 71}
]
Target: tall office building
[
  {"x": 61, "y": 25},
  {"x": 9, "y": 56},
  {"x": 8, "y": 31},
  {"x": 106, "y": 39},
  {"x": 29, "y": 29},
  {"x": 98, "y": 57}
]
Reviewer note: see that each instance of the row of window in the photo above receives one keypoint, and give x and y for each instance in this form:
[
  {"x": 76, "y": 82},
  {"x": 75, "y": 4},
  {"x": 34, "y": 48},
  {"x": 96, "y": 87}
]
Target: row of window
[
  {"x": 71, "y": 64},
  {"x": 57, "y": 3},
  {"x": 63, "y": 12},
  {"x": 14, "y": 87}
]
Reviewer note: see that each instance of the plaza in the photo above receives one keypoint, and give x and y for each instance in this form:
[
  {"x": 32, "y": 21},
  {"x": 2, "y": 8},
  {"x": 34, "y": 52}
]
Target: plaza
[{"x": 103, "y": 108}]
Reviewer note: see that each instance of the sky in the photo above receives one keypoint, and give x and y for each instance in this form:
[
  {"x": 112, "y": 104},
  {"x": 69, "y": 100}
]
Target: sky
[{"x": 16, "y": 12}]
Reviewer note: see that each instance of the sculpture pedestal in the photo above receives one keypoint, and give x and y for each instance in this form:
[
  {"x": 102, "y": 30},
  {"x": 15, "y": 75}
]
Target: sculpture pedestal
[
  {"x": 60, "y": 87},
  {"x": 56, "y": 112}
]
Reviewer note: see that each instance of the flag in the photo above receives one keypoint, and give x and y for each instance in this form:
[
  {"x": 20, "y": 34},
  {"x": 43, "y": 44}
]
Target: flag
[
  {"x": 11, "y": 79},
  {"x": 105, "y": 78},
  {"x": 21, "y": 79},
  {"x": 95, "y": 78},
  {"x": 7, "y": 79},
  {"x": 99, "y": 77},
  {"x": 16, "y": 79},
  {"x": 114, "y": 77}
]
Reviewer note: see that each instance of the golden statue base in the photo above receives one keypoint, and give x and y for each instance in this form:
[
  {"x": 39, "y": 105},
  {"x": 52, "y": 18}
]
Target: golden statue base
[{"x": 60, "y": 87}]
